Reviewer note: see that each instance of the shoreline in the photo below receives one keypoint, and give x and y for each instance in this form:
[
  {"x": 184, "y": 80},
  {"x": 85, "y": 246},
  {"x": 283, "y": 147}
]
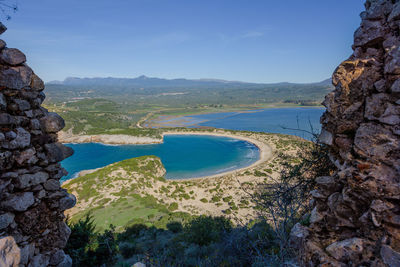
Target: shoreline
[{"x": 265, "y": 151}]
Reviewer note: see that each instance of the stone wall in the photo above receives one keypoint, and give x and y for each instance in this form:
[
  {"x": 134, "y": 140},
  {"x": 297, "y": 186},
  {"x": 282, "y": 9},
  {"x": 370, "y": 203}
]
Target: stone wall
[
  {"x": 32, "y": 203},
  {"x": 356, "y": 219}
]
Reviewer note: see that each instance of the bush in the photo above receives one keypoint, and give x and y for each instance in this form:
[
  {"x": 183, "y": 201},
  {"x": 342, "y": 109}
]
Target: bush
[
  {"x": 204, "y": 200},
  {"x": 132, "y": 232},
  {"x": 175, "y": 227},
  {"x": 127, "y": 250},
  {"x": 204, "y": 230},
  {"x": 215, "y": 199},
  {"x": 227, "y": 199},
  {"x": 88, "y": 248},
  {"x": 173, "y": 206}
]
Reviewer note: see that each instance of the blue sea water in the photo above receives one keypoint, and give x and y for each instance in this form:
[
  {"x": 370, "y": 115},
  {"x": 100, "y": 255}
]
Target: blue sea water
[
  {"x": 274, "y": 120},
  {"x": 183, "y": 156}
]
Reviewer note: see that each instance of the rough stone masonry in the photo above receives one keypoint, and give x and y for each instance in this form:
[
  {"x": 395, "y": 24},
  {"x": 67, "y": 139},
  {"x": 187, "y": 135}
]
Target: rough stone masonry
[
  {"x": 32, "y": 203},
  {"x": 356, "y": 219}
]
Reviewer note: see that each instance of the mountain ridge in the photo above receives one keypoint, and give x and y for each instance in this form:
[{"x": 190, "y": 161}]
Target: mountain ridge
[{"x": 143, "y": 80}]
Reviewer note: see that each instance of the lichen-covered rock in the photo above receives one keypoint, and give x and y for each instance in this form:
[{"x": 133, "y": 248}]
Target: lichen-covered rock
[
  {"x": 31, "y": 199},
  {"x": 356, "y": 217},
  {"x": 9, "y": 252}
]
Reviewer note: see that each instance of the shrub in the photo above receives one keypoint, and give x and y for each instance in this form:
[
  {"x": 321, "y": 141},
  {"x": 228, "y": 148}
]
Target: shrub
[
  {"x": 215, "y": 199},
  {"x": 175, "y": 227},
  {"x": 227, "y": 199},
  {"x": 173, "y": 206},
  {"x": 204, "y": 200},
  {"x": 131, "y": 232},
  {"x": 127, "y": 250},
  {"x": 204, "y": 230}
]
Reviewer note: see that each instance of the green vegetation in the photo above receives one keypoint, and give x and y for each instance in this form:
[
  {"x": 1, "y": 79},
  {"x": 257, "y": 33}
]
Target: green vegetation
[
  {"x": 202, "y": 241},
  {"x": 125, "y": 205}
]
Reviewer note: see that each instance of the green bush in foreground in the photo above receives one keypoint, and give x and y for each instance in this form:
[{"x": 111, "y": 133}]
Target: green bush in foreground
[{"x": 203, "y": 241}]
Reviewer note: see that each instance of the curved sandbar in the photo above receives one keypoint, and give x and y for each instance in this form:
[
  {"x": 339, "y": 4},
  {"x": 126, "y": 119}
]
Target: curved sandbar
[{"x": 265, "y": 151}]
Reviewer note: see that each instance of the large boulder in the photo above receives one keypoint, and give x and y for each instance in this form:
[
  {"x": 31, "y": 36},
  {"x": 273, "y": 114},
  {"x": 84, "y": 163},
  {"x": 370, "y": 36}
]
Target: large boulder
[{"x": 12, "y": 56}]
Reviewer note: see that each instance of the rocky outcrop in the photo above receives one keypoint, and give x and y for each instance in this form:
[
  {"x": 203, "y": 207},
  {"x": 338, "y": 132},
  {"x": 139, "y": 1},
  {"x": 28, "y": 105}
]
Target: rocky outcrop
[
  {"x": 32, "y": 203},
  {"x": 356, "y": 219}
]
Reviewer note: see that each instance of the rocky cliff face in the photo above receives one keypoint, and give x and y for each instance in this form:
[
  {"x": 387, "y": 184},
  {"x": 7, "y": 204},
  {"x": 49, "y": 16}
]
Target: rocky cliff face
[
  {"x": 32, "y": 227},
  {"x": 356, "y": 219}
]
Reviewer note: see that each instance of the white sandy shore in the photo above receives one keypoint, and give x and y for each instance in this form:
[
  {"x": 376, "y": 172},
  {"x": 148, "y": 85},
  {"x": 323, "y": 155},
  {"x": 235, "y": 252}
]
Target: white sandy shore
[
  {"x": 264, "y": 149},
  {"x": 111, "y": 139}
]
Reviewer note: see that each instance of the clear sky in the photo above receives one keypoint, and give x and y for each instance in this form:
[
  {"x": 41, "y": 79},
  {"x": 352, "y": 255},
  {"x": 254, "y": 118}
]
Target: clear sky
[{"x": 246, "y": 40}]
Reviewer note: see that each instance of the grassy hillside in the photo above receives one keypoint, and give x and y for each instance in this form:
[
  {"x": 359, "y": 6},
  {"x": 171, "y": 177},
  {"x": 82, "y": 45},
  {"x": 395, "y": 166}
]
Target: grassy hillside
[{"x": 116, "y": 195}]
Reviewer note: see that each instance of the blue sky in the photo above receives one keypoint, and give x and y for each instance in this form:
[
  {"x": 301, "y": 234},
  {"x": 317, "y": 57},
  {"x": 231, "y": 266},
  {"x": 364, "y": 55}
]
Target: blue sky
[{"x": 246, "y": 40}]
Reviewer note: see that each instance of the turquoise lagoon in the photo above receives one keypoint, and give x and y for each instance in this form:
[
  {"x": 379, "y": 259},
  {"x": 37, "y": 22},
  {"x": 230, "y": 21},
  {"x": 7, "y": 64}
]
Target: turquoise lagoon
[
  {"x": 183, "y": 156},
  {"x": 195, "y": 155}
]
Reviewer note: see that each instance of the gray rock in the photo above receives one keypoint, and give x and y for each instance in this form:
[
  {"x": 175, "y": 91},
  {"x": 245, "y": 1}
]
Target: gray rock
[
  {"x": 2, "y": 44},
  {"x": 369, "y": 34},
  {"x": 57, "y": 257},
  {"x": 396, "y": 86},
  {"x": 52, "y": 123},
  {"x": 6, "y": 119},
  {"x": 39, "y": 261},
  {"x": 16, "y": 77},
  {"x": 10, "y": 135},
  {"x": 67, "y": 202},
  {"x": 395, "y": 14},
  {"x": 66, "y": 262},
  {"x": 22, "y": 104},
  {"x": 27, "y": 252},
  {"x": 22, "y": 140},
  {"x": 52, "y": 185},
  {"x": 316, "y": 216},
  {"x": 57, "y": 152},
  {"x": 64, "y": 233},
  {"x": 12, "y": 56},
  {"x": 2, "y": 28},
  {"x": 380, "y": 86},
  {"x": 9, "y": 252},
  {"x": 298, "y": 236},
  {"x": 5, "y": 220},
  {"x": 37, "y": 83},
  {"x": 390, "y": 257},
  {"x": 35, "y": 124},
  {"x": 3, "y": 102},
  {"x": 27, "y": 157},
  {"x": 19, "y": 201},
  {"x": 28, "y": 180},
  {"x": 393, "y": 62},
  {"x": 346, "y": 249},
  {"x": 325, "y": 137}
]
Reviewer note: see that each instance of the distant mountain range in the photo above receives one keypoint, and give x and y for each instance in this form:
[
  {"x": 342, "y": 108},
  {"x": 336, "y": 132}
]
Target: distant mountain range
[
  {"x": 146, "y": 82},
  {"x": 174, "y": 92}
]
